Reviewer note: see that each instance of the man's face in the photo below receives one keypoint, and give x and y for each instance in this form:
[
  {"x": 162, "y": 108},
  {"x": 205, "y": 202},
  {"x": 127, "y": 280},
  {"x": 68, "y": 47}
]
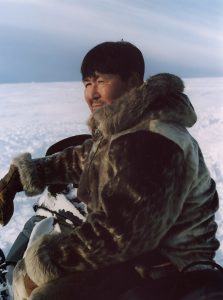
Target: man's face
[{"x": 103, "y": 89}]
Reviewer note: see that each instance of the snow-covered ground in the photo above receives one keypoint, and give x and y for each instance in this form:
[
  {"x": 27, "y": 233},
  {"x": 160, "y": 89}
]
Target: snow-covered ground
[{"x": 34, "y": 116}]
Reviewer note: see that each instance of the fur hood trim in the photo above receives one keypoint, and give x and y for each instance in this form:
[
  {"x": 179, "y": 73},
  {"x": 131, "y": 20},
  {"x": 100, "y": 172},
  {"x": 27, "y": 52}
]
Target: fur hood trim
[{"x": 159, "y": 98}]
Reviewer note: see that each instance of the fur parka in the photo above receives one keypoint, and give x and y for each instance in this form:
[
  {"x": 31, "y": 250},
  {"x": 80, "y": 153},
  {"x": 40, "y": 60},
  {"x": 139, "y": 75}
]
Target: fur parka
[{"x": 144, "y": 180}]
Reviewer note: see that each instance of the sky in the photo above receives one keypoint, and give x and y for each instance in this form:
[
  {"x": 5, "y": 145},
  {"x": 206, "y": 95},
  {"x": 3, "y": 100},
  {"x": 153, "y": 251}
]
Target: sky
[{"x": 46, "y": 40}]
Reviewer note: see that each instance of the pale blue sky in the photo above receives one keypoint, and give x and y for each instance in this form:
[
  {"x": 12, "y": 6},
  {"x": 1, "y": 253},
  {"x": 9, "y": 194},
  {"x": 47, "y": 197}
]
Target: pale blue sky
[{"x": 45, "y": 40}]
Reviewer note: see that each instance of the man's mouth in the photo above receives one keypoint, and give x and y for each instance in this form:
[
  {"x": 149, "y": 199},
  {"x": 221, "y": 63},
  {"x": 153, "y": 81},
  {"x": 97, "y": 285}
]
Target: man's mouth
[{"x": 96, "y": 106}]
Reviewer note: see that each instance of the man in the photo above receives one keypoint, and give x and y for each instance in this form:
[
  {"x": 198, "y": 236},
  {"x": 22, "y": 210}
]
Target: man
[{"x": 150, "y": 232}]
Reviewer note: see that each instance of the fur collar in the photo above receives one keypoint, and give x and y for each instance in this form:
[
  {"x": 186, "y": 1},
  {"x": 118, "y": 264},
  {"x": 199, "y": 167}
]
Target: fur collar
[{"x": 159, "y": 98}]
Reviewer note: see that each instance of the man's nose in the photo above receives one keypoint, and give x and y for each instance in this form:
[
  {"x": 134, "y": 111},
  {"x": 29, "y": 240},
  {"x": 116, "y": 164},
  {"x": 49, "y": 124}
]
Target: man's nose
[{"x": 95, "y": 95}]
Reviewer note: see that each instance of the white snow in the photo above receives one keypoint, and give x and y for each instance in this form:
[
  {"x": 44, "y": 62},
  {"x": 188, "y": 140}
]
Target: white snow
[{"x": 34, "y": 116}]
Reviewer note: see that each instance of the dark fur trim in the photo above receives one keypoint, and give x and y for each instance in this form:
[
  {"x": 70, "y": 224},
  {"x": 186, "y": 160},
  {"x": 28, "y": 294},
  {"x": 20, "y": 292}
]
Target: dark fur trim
[
  {"x": 30, "y": 179},
  {"x": 166, "y": 83}
]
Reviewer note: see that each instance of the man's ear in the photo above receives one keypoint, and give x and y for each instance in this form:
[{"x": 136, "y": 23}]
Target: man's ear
[{"x": 134, "y": 80}]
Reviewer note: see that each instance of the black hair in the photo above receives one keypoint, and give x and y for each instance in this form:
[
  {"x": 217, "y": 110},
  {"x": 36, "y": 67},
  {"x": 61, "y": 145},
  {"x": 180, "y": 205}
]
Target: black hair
[{"x": 121, "y": 58}]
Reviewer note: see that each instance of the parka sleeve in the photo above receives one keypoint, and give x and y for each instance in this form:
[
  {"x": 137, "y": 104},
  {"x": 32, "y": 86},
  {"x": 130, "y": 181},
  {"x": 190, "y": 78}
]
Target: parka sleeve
[
  {"x": 60, "y": 168},
  {"x": 141, "y": 200}
]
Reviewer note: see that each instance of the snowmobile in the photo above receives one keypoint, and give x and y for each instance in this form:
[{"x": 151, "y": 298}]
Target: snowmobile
[
  {"x": 57, "y": 209},
  {"x": 3, "y": 271}
]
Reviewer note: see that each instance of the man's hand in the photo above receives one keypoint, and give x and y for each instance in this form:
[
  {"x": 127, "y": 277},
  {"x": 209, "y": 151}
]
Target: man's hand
[{"x": 9, "y": 185}]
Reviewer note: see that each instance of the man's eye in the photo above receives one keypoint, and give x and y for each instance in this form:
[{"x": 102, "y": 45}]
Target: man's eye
[
  {"x": 86, "y": 84},
  {"x": 101, "y": 81}
]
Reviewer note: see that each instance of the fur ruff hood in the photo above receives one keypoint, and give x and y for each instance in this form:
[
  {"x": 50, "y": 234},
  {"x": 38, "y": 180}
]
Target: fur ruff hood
[{"x": 160, "y": 97}]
